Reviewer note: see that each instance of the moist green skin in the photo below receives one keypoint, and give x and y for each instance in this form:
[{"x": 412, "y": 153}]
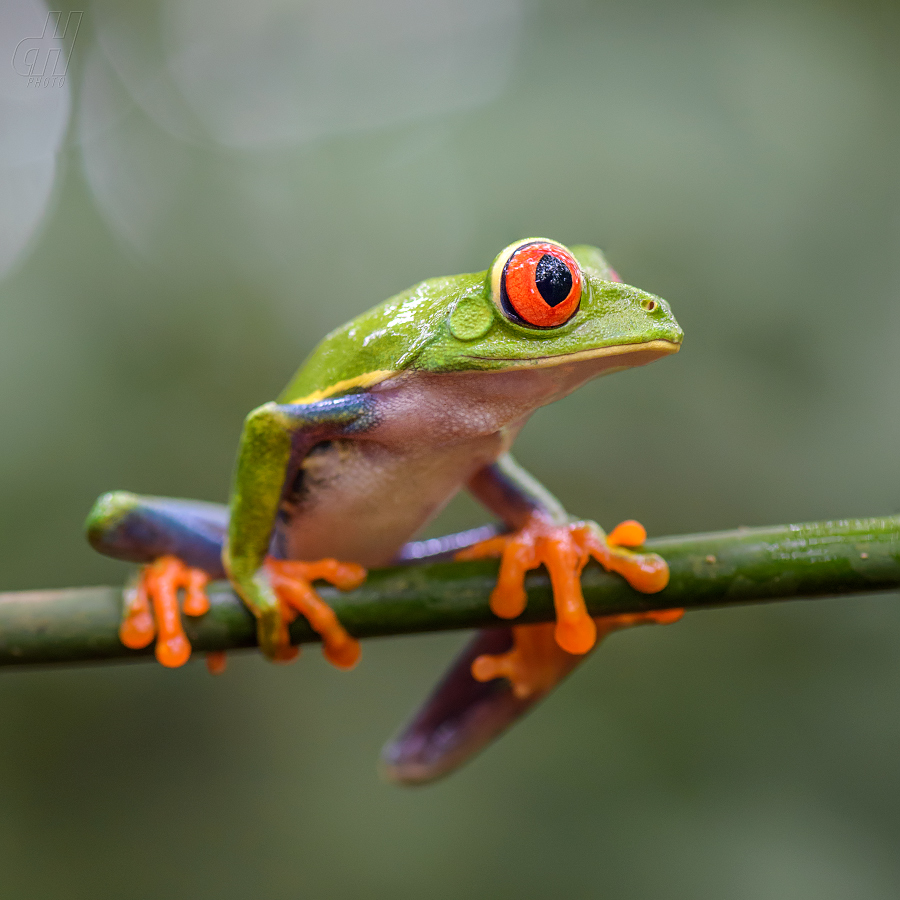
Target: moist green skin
[{"x": 428, "y": 327}]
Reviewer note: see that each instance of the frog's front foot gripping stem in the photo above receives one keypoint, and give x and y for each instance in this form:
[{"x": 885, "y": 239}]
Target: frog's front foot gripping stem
[
  {"x": 151, "y": 607},
  {"x": 542, "y": 653},
  {"x": 292, "y": 583}
]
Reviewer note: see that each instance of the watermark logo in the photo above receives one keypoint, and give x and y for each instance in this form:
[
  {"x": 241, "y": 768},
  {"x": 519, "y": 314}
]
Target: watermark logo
[{"x": 44, "y": 60}]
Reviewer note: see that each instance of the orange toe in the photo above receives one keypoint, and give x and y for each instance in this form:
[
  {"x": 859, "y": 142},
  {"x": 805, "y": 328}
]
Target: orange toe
[
  {"x": 534, "y": 664},
  {"x": 138, "y": 628},
  {"x": 291, "y": 581},
  {"x": 627, "y": 534},
  {"x": 196, "y": 602},
  {"x": 576, "y": 635},
  {"x": 645, "y": 572}
]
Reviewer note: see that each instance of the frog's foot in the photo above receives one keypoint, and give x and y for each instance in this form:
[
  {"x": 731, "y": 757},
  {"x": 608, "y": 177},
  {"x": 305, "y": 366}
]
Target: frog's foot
[
  {"x": 536, "y": 662},
  {"x": 564, "y": 550},
  {"x": 151, "y": 608},
  {"x": 559, "y": 548},
  {"x": 292, "y": 584}
]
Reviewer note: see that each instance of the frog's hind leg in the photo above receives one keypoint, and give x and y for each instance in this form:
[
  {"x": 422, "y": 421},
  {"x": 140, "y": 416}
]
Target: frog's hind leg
[
  {"x": 142, "y": 529},
  {"x": 461, "y": 716},
  {"x": 504, "y": 671},
  {"x": 497, "y": 677},
  {"x": 180, "y": 541}
]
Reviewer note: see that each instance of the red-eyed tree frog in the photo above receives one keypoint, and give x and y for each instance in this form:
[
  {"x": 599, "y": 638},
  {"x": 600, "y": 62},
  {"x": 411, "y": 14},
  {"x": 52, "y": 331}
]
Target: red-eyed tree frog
[{"x": 391, "y": 416}]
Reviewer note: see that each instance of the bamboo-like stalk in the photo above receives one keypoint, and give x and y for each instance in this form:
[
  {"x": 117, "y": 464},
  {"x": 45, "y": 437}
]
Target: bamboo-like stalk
[{"x": 725, "y": 568}]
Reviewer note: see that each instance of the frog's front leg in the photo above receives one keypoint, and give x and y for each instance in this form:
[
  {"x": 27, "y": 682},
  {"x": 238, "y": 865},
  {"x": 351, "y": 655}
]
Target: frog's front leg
[
  {"x": 274, "y": 442},
  {"x": 545, "y": 535}
]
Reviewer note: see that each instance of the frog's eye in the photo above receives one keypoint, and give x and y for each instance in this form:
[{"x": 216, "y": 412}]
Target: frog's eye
[{"x": 537, "y": 283}]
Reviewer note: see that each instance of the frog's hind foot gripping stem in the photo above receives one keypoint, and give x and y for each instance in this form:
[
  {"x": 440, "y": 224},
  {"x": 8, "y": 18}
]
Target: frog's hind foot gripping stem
[
  {"x": 151, "y": 608},
  {"x": 536, "y": 663}
]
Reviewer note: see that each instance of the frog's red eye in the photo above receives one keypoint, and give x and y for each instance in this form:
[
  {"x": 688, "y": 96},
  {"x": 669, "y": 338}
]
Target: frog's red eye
[{"x": 540, "y": 284}]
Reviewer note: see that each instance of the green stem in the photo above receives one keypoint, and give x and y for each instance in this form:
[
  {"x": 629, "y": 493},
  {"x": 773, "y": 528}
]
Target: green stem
[{"x": 726, "y": 568}]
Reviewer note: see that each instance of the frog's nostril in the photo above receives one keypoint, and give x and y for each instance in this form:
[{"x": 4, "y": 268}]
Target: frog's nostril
[{"x": 649, "y": 304}]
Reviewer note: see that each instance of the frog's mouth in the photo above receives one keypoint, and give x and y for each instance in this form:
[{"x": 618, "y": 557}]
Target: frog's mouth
[{"x": 618, "y": 356}]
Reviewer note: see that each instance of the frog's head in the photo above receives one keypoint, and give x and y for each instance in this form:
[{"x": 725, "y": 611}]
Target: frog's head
[
  {"x": 561, "y": 315},
  {"x": 542, "y": 305}
]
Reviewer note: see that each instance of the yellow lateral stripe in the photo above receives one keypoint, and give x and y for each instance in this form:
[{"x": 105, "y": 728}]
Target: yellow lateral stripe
[{"x": 367, "y": 379}]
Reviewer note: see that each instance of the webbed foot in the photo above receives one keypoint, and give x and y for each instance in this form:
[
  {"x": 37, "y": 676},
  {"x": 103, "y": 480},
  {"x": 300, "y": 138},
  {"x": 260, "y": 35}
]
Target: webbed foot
[{"x": 151, "y": 608}]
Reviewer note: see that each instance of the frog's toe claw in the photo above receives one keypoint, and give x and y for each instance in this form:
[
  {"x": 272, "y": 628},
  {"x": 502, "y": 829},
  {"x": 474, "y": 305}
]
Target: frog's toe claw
[
  {"x": 151, "y": 608},
  {"x": 292, "y": 582}
]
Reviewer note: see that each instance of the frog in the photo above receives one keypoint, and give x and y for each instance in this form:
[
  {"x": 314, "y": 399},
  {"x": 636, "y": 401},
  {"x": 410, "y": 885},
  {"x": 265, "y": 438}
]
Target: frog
[{"x": 390, "y": 417}]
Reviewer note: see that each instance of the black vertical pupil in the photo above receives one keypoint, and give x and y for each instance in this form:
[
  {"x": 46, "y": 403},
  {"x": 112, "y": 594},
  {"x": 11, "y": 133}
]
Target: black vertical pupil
[{"x": 553, "y": 279}]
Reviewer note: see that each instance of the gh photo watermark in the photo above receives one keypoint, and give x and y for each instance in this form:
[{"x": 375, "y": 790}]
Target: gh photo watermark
[{"x": 44, "y": 58}]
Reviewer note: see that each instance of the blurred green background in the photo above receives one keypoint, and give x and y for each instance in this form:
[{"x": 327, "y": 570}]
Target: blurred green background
[{"x": 218, "y": 184}]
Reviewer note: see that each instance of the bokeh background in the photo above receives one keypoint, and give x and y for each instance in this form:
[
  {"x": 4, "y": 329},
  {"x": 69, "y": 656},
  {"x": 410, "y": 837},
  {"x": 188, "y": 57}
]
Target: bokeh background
[{"x": 214, "y": 185}]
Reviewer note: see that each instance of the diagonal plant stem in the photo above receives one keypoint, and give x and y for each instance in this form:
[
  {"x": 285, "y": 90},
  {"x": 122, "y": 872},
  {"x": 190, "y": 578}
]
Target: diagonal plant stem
[{"x": 750, "y": 565}]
